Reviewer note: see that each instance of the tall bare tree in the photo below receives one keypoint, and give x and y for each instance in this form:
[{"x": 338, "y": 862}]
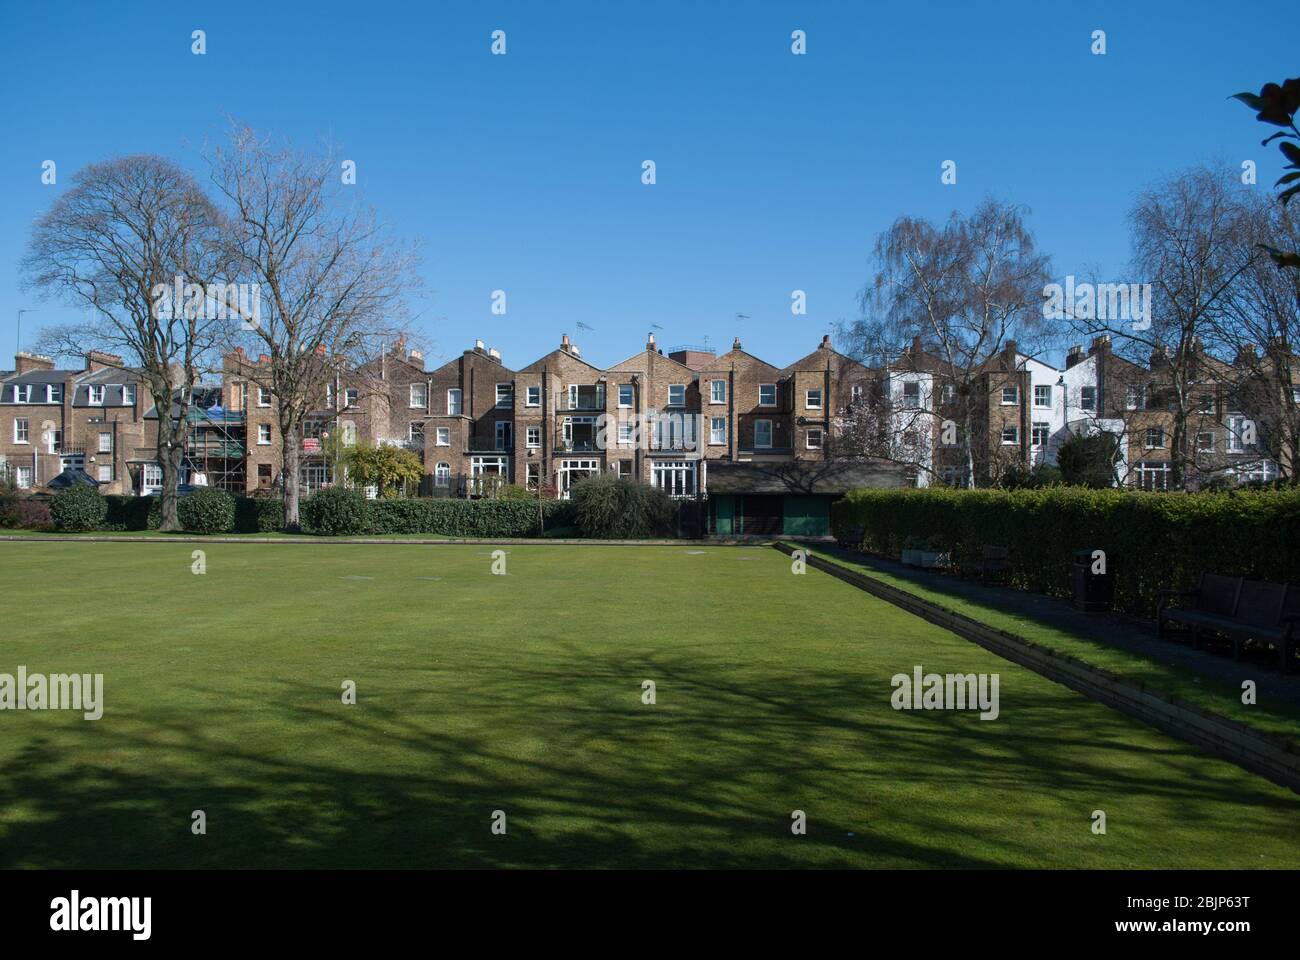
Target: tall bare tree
[
  {"x": 1191, "y": 242},
  {"x": 332, "y": 279},
  {"x": 116, "y": 245},
  {"x": 945, "y": 301}
]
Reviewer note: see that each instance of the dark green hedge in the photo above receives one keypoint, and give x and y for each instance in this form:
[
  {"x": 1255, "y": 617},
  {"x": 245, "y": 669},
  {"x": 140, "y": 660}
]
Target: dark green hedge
[
  {"x": 206, "y": 511},
  {"x": 78, "y": 508},
  {"x": 466, "y": 518},
  {"x": 258, "y": 514},
  {"x": 1151, "y": 540},
  {"x": 132, "y": 513}
]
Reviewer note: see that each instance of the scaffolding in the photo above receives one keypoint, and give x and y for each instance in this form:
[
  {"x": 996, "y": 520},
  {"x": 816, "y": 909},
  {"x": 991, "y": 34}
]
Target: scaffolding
[{"x": 217, "y": 444}]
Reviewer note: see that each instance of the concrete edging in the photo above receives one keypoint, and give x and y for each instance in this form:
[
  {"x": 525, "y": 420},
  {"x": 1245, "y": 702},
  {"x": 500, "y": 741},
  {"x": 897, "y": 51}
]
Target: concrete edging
[{"x": 1270, "y": 757}]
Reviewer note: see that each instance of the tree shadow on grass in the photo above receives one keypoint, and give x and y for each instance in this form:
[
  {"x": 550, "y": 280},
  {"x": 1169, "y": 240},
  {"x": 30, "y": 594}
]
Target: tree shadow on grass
[{"x": 707, "y": 777}]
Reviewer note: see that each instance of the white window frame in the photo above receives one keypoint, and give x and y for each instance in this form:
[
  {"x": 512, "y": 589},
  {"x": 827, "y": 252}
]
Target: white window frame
[
  {"x": 1037, "y": 429},
  {"x": 1088, "y": 398},
  {"x": 105, "y": 442},
  {"x": 626, "y": 432},
  {"x": 442, "y": 474},
  {"x": 677, "y": 386},
  {"x": 1014, "y": 430},
  {"x": 96, "y": 395},
  {"x": 770, "y": 437},
  {"x": 761, "y": 388},
  {"x": 677, "y": 478},
  {"x": 128, "y": 394},
  {"x": 631, "y": 395},
  {"x": 150, "y": 486},
  {"x": 263, "y": 431},
  {"x": 504, "y": 435},
  {"x": 423, "y": 389},
  {"x": 1038, "y": 388},
  {"x": 808, "y": 398},
  {"x": 1146, "y": 438},
  {"x": 23, "y": 477},
  {"x": 717, "y": 391},
  {"x": 533, "y": 396},
  {"x": 351, "y": 397},
  {"x": 808, "y": 438},
  {"x": 1014, "y": 393},
  {"x": 1201, "y": 446},
  {"x": 506, "y": 401},
  {"x": 55, "y": 443},
  {"x": 456, "y": 408},
  {"x": 105, "y": 473},
  {"x": 533, "y": 437},
  {"x": 263, "y": 396},
  {"x": 54, "y": 393},
  {"x": 442, "y": 437},
  {"x": 911, "y": 403},
  {"x": 22, "y": 430},
  {"x": 717, "y": 431}
]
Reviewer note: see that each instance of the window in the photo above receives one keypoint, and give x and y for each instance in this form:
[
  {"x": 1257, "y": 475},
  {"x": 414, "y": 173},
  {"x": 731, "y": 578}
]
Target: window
[
  {"x": 1206, "y": 403},
  {"x": 21, "y": 428},
  {"x": 505, "y": 396},
  {"x": 717, "y": 391},
  {"x": 533, "y": 437},
  {"x": 912, "y": 394},
  {"x": 1133, "y": 398},
  {"x": 23, "y": 393},
  {"x": 626, "y": 432},
  {"x": 1010, "y": 396},
  {"x": 717, "y": 430},
  {"x": 443, "y": 436},
  {"x": 1155, "y": 438},
  {"x": 56, "y": 441},
  {"x": 329, "y": 395},
  {"x": 505, "y": 435},
  {"x": 1041, "y": 431},
  {"x": 1205, "y": 442},
  {"x": 442, "y": 474},
  {"x": 532, "y": 475},
  {"x": 1295, "y": 394},
  {"x": 105, "y": 473},
  {"x": 453, "y": 402},
  {"x": 1042, "y": 395},
  {"x": 767, "y": 394},
  {"x": 625, "y": 395},
  {"x": 264, "y": 434},
  {"x": 54, "y": 393},
  {"x": 263, "y": 397},
  {"x": 150, "y": 479},
  {"x": 762, "y": 433},
  {"x": 677, "y": 395},
  {"x": 812, "y": 399},
  {"x": 96, "y": 394},
  {"x": 105, "y": 443},
  {"x": 1088, "y": 398},
  {"x": 948, "y": 393},
  {"x": 415, "y": 433},
  {"x": 813, "y": 440},
  {"x": 533, "y": 396},
  {"x": 1152, "y": 475},
  {"x": 1237, "y": 430},
  {"x": 23, "y": 477},
  {"x": 674, "y": 477},
  {"x": 419, "y": 395},
  {"x": 1010, "y": 434},
  {"x": 350, "y": 397},
  {"x": 625, "y": 469},
  {"x": 128, "y": 394}
]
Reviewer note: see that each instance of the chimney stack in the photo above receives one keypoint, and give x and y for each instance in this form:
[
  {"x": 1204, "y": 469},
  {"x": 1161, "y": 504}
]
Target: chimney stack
[
  {"x": 97, "y": 360},
  {"x": 478, "y": 347},
  {"x": 650, "y": 341},
  {"x": 495, "y": 354},
  {"x": 826, "y": 342},
  {"x": 736, "y": 344},
  {"x": 25, "y": 362},
  {"x": 1074, "y": 356}
]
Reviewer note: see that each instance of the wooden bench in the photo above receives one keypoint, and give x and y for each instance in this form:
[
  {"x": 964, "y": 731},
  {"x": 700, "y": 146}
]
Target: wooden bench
[
  {"x": 1240, "y": 610},
  {"x": 992, "y": 561}
]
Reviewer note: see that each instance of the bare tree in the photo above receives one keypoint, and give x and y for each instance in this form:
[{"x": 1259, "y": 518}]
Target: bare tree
[
  {"x": 1191, "y": 244},
  {"x": 332, "y": 281},
  {"x": 944, "y": 303},
  {"x": 117, "y": 245}
]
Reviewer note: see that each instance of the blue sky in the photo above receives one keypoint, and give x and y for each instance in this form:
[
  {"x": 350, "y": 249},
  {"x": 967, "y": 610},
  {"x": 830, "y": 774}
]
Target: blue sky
[{"x": 775, "y": 172}]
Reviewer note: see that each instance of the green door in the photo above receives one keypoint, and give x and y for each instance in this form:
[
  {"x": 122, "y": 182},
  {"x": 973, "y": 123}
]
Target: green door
[
  {"x": 807, "y": 516},
  {"x": 724, "y": 511}
]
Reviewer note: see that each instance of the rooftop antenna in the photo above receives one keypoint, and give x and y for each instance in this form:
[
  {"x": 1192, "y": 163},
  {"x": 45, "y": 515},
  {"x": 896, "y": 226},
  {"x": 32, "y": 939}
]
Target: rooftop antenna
[
  {"x": 742, "y": 316},
  {"x": 583, "y": 326}
]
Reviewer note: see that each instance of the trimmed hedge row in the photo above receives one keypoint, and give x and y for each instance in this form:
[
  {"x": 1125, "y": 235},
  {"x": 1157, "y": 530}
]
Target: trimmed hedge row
[
  {"x": 466, "y": 518},
  {"x": 1152, "y": 541},
  {"x": 252, "y": 514}
]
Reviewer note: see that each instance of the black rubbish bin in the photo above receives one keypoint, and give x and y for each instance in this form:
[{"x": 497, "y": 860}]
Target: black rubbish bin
[{"x": 1094, "y": 581}]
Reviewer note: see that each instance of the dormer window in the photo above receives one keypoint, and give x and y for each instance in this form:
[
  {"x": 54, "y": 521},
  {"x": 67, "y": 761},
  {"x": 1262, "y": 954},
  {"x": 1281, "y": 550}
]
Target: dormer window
[{"x": 96, "y": 394}]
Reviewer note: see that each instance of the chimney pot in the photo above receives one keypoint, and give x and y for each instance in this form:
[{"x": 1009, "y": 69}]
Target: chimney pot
[
  {"x": 826, "y": 341},
  {"x": 736, "y": 344}
]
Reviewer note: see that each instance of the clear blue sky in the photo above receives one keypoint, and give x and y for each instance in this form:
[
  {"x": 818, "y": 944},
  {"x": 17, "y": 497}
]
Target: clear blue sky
[{"x": 775, "y": 171}]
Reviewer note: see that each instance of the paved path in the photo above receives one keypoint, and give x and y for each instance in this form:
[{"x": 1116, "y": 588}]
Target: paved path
[{"x": 1125, "y": 633}]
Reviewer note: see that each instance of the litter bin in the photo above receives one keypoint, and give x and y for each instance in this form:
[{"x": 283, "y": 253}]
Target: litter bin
[{"x": 1094, "y": 581}]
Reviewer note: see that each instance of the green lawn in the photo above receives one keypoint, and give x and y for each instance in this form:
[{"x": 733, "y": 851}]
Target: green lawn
[{"x": 522, "y": 693}]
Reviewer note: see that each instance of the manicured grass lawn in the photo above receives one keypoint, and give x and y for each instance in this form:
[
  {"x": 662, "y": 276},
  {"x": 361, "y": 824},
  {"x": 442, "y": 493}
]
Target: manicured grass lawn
[
  {"x": 1275, "y": 718},
  {"x": 522, "y": 693}
]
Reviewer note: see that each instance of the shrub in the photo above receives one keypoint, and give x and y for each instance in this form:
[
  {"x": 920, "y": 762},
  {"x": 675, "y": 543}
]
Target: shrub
[
  {"x": 132, "y": 513},
  {"x": 25, "y": 513},
  {"x": 1152, "y": 540},
  {"x": 78, "y": 508},
  {"x": 258, "y": 514},
  {"x": 609, "y": 507},
  {"x": 206, "y": 511},
  {"x": 505, "y": 517},
  {"x": 334, "y": 512}
]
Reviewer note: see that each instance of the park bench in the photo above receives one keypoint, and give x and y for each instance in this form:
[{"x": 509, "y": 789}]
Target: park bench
[
  {"x": 993, "y": 562},
  {"x": 1239, "y": 609}
]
